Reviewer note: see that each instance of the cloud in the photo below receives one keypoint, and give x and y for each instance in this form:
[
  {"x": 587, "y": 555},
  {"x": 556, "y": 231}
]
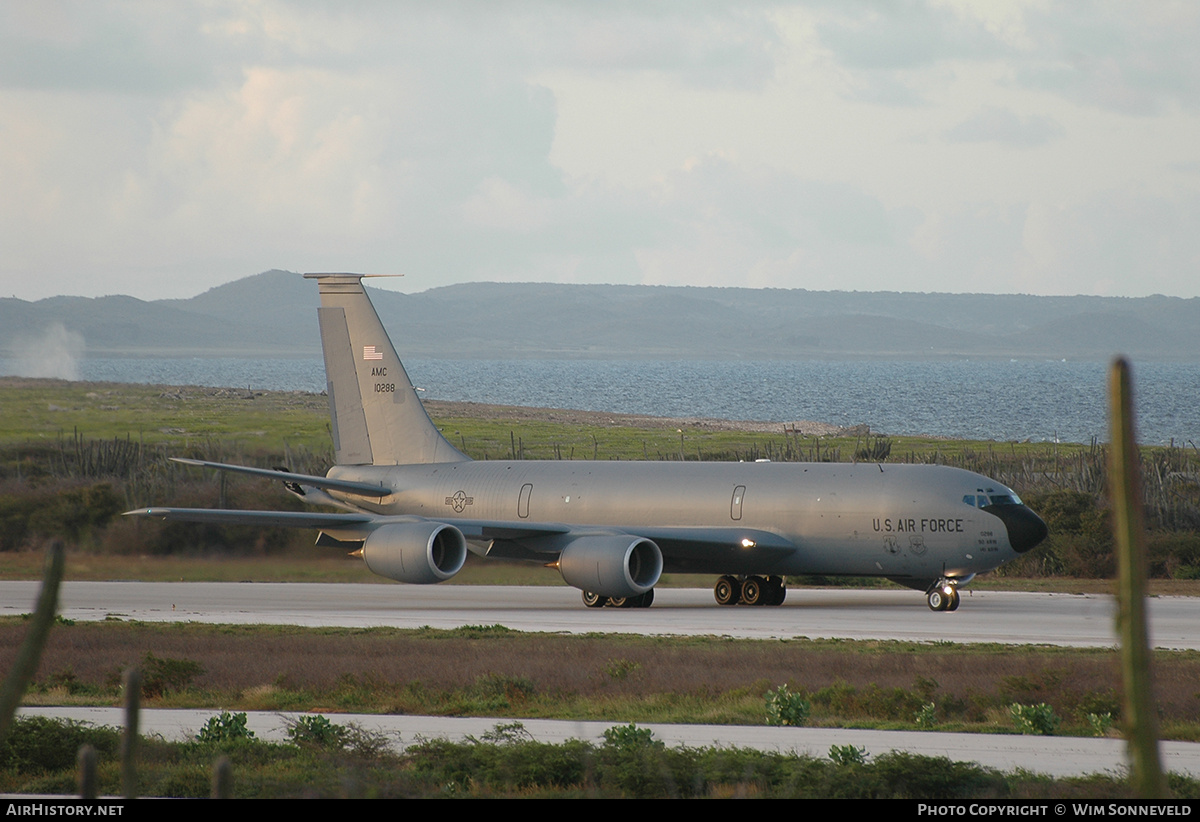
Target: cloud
[
  {"x": 1000, "y": 125},
  {"x": 904, "y": 35},
  {"x": 158, "y": 150},
  {"x": 1133, "y": 58},
  {"x": 886, "y": 48},
  {"x": 96, "y": 47}
]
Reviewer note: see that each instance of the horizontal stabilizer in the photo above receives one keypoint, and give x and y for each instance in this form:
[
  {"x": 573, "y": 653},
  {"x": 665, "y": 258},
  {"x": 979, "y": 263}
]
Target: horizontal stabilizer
[{"x": 364, "y": 489}]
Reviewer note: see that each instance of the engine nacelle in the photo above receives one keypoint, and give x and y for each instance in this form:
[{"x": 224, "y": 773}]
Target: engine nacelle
[
  {"x": 415, "y": 552},
  {"x": 612, "y": 566}
]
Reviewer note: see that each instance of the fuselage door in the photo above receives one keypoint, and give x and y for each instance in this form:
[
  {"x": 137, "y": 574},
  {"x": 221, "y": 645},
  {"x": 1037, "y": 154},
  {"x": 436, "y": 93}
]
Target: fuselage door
[
  {"x": 523, "y": 500},
  {"x": 735, "y": 505}
]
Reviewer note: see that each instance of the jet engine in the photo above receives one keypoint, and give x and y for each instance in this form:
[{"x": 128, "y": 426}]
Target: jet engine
[
  {"x": 415, "y": 552},
  {"x": 611, "y": 566}
]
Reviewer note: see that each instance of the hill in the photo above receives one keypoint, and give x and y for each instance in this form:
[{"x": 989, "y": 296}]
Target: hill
[{"x": 271, "y": 314}]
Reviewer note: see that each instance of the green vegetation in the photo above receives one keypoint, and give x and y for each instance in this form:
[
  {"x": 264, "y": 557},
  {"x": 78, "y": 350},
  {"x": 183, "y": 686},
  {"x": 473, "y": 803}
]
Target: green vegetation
[
  {"x": 787, "y": 708},
  {"x": 318, "y": 731},
  {"x": 163, "y": 676},
  {"x": 1038, "y": 720},
  {"x": 846, "y": 755},
  {"x": 629, "y": 763},
  {"x": 225, "y": 727}
]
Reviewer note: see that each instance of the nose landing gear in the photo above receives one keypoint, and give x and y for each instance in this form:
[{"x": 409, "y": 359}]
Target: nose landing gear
[{"x": 943, "y": 596}]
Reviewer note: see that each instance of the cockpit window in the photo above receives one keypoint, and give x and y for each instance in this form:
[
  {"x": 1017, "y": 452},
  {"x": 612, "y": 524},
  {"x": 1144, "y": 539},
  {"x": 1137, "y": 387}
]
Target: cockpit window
[{"x": 982, "y": 500}]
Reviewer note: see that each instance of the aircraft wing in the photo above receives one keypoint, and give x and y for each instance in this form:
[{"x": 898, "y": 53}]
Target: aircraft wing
[
  {"x": 684, "y": 549},
  {"x": 717, "y": 550},
  {"x": 365, "y": 489},
  {"x": 481, "y": 529},
  {"x": 698, "y": 549},
  {"x": 471, "y": 529},
  {"x": 293, "y": 519},
  {"x": 686, "y": 541},
  {"x": 676, "y": 543}
]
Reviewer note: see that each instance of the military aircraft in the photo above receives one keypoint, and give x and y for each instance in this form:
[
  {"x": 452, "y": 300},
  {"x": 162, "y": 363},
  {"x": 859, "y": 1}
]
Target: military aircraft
[{"x": 413, "y": 504}]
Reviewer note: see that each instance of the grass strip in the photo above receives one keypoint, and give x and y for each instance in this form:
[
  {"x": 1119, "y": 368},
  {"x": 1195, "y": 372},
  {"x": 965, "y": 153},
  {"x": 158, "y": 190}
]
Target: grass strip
[{"x": 494, "y": 671}]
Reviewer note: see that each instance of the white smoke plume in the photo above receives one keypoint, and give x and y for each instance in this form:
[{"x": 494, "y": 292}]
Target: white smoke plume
[{"x": 55, "y": 354}]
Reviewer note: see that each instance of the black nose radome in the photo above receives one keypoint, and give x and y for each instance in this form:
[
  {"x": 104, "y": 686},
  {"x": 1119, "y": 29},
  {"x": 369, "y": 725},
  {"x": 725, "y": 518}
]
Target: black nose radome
[{"x": 1025, "y": 528}]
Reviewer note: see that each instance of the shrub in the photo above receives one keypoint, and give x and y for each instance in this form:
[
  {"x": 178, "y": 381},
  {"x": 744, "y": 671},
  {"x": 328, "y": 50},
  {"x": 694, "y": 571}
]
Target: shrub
[
  {"x": 901, "y": 775},
  {"x": 225, "y": 727},
  {"x": 161, "y": 675},
  {"x": 843, "y": 755},
  {"x": 318, "y": 732},
  {"x": 786, "y": 708},
  {"x": 64, "y": 679},
  {"x": 1100, "y": 724},
  {"x": 621, "y": 668},
  {"x": 499, "y": 691},
  {"x": 40, "y": 743},
  {"x": 508, "y": 733},
  {"x": 926, "y": 718},
  {"x": 1038, "y": 720},
  {"x": 76, "y": 513},
  {"x": 629, "y": 737}
]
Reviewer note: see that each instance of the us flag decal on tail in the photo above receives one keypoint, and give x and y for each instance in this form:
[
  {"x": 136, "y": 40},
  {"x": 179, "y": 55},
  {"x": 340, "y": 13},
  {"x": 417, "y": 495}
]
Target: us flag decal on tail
[{"x": 369, "y": 353}]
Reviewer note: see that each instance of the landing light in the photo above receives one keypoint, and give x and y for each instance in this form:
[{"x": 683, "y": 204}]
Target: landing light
[{"x": 748, "y": 543}]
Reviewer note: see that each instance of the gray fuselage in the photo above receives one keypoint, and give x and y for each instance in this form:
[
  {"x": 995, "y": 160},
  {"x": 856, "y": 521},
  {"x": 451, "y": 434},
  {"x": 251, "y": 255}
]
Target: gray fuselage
[{"x": 900, "y": 521}]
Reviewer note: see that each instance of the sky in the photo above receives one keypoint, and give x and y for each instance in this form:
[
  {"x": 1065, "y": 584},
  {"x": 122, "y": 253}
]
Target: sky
[{"x": 1036, "y": 146}]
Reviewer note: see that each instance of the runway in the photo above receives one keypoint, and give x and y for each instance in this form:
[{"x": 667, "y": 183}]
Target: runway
[{"x": 988, "y": 616}]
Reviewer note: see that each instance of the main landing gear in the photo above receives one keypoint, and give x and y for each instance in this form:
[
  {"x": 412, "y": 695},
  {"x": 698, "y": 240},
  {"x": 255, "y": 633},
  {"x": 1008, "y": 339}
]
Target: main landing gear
[
  {"x": 596, "y": 601},
  {"x": 943, "y": 596},
  {"x": 731, "y": 590}
]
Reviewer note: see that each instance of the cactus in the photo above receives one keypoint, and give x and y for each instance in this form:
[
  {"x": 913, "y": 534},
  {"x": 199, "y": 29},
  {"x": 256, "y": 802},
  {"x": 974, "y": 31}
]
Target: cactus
[
  {"x": 86, "y": 762},
  {"x": 30, "y": 652},
  {"x": 132, "y": 681},
  {"x": 1141, "y": 721}
]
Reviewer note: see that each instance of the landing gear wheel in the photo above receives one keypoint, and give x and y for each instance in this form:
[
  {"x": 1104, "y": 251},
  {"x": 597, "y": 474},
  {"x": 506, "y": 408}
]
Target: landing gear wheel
[
  {"x": 727, "y": 591},
  {"x": 953, "y": 604},
  {"x": 752, "y": 591},
  {"x": 938, "y": 601},
  {"x": 620, "y": 602},
  {"x": 594, "y": 600},
  {"x": 776, "y": 592},
  {"x": 645, "y": 600}
]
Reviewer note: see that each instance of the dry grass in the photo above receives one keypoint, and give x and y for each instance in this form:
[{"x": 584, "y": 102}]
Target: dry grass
[{"x": 495, "y": 671}]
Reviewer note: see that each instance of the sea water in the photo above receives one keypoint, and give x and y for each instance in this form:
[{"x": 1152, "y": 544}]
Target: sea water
[{"x": 994, "y": 400}]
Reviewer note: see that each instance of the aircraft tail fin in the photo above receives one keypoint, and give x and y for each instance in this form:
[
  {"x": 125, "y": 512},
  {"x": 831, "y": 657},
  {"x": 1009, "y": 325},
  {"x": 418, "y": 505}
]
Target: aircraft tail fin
[{"x": 377, "y": 417}]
